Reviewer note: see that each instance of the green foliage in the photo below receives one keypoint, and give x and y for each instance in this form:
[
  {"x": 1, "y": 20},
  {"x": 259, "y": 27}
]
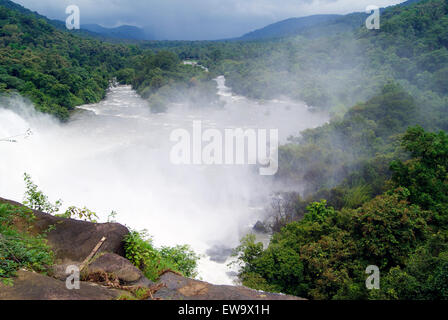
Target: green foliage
[
  {"x": 401, "y": 74},
  {"x": 318, "y": 212},
  {"x": 35, "y": 199},
  {"x": 58, "y": 70},
  {"x": 83, "y": 214},
  {"x": 182, "y": 257},
  {"x": 153, "y": 262},
  {"x": 425, "y": 175},
  {"x": 248, "y": 250},
  {"x": 332, "y": 69},
  {"x": 388, "y": 228},
  {"x": 423, "y": 278},
  {"x": 402, "y": 231},
  {"x": 162, "y": 78},
  {"x": 111, "y": 217},
  {"x": 324, "y": 256},
  {"x": 356, "y": 196},
  {"x": 52, "y": 67},
  {"x": 354, "y": 151},
  {"x": 271, "y": 270},
  {"x": 18, "y": 248}
]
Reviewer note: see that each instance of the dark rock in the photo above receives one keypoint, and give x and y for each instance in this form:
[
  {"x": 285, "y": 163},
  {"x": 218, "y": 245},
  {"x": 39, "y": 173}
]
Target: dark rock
[
  {"x": 219, "y": 253},
  {"x": 260, "y": 227},
  {"x": 232, "y": 274},
  {"x": 58, "y": 271},
  {"x": 180, "y": 288},
  {"x": 73, "y": 240},
  {"x": 33, "y": 286},
  {"x": 126, "y": 272}
]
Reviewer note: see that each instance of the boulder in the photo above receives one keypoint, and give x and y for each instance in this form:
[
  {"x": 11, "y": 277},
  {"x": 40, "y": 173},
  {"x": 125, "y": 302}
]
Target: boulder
[
  {"x": 219, "y": 253},
  {"x": 122, "y": 268},
  {"x": 72, "y": 240},
  {"x": 260, "y": 227},
  {"x": 34, "y": 286},
  {"x": 177, "y": 287}
]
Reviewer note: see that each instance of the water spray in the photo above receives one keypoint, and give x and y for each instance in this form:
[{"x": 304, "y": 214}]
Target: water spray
[{"x": 12, "y": 139}]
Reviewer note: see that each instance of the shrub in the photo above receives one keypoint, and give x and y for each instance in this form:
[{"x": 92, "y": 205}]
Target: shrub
[
  {"x": 153, "y": 262},
  {"x": 37, "y": 200},
  {"x": 19, "y": 249}
]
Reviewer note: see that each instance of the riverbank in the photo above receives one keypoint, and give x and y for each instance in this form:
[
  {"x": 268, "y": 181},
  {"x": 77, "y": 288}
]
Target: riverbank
[{"x": 107, "y": 273}]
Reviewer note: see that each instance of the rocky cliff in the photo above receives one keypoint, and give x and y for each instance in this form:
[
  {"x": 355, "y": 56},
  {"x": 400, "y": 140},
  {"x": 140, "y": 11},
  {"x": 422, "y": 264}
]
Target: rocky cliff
[{"x": 108, "y": 274}]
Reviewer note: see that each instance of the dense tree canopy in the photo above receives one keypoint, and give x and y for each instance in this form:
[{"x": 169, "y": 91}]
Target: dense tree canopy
[
  {"x": 375, "y": 177},
  {"x": 59, "y": 70},
  {"x": 325, "y": 254}
]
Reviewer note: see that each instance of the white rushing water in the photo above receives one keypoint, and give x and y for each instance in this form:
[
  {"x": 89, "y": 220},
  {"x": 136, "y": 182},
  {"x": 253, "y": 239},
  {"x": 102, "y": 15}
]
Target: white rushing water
[{"x": 115, "y": 156}]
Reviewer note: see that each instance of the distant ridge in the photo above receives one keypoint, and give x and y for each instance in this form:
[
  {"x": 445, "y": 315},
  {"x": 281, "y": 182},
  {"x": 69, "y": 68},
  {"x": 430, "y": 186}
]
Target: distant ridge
[
  {"x": 289, "y": 27},
  {"x": 89, "y": 30},
  {"x": 312, "y": 26},
  {"x": 55, "y": 23},
  {"x": 121, "y": 32}
]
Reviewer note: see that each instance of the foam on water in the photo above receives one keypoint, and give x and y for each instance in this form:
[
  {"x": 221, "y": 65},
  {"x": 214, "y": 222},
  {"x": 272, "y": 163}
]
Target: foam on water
[{"x": 114, "y": 155}]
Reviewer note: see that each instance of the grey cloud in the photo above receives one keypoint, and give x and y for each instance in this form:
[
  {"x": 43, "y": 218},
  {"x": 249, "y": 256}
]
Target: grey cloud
[{"x": 197, "y": 19}]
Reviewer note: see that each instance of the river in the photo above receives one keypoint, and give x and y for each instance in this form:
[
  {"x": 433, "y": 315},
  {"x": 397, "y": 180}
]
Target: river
[{"x": 114, "y": 155}]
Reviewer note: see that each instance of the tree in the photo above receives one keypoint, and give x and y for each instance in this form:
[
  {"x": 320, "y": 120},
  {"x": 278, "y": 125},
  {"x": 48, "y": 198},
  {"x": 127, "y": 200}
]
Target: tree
[{"x": 426, "y": 174}]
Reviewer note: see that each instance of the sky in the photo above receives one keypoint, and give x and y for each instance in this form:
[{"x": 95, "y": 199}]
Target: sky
[{"x": 196, "y": 19}]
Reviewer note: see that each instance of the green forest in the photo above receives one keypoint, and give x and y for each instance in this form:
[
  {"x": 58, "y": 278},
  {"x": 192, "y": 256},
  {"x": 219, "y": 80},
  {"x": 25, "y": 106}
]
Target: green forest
[
  {"x": 375, "y": 177},
  {"x": 58, "y": 70}
]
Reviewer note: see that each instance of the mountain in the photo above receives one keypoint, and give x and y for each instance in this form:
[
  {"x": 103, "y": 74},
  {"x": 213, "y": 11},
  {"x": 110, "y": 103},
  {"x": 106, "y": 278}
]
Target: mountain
[
  {"x": 54, "y": 68},
  {"x": 55, "y": 23},
  {"x": 121, "y": 32},
  {"x": 89, "y": 30},
  {"x": 313, "y": 26},
  {"x": 290, "y": 26}
]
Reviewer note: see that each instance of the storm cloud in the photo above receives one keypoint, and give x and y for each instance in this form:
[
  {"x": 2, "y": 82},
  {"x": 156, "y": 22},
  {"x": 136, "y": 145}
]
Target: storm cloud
[{"x": 196, "y": 19}]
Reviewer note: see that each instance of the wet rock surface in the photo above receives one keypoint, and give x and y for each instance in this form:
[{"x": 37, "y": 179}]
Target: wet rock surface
[
  {"x": 125, "y": 271},
  {"x": 33, "y": 286},
  {"x": 181, "y": 288},
  {"x": 260, "y": 227},
  {"x": 72, "y": 242},
  {"x": 219, "y": 253}
]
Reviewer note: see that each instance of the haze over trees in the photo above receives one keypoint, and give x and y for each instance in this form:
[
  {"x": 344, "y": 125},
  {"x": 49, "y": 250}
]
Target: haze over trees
[{"x": 374, "y": 178}]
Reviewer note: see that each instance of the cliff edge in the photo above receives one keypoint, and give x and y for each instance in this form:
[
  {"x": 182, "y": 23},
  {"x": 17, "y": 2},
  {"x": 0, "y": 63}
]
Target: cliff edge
[{"x": 107, "y": 274}]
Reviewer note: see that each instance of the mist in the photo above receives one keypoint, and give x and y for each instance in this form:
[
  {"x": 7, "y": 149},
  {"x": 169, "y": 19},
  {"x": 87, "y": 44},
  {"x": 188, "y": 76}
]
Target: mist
[
  {"x": 114, "y": 155},
  {"x": 197, "y": 19}
]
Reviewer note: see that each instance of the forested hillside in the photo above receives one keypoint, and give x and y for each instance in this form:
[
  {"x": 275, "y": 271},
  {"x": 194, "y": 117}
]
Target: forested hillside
[
  {"x": 121, "y": 32},
  {"x": 375, "y": 184},
  {"x": 363, "y": 137},
  {"x": 53, "y": 68},
  {"x": 403, "y": 232},
  {"x": 58, "y": 70},
  {"x": 372, "y": 181},
  {"x": 336, "y": 71},
  {"x": 293, "y": 26}
]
